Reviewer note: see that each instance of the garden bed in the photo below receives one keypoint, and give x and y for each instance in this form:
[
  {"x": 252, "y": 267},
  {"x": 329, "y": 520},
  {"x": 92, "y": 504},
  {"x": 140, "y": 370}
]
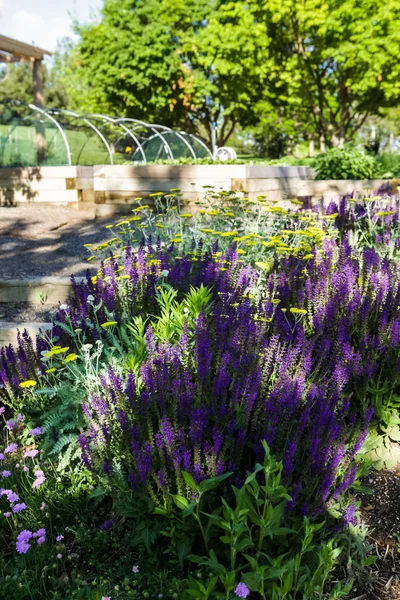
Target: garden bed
[{"x": 212, "y": 402}]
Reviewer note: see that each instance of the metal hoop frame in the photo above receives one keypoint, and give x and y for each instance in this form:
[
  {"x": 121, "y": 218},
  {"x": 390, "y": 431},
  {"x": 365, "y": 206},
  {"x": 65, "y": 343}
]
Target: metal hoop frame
[{"x": 127, "y": 126}]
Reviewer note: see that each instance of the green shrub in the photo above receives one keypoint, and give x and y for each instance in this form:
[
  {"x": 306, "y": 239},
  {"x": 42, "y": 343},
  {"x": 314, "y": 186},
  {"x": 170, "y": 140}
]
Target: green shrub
[{"x": 344, "y": 163}]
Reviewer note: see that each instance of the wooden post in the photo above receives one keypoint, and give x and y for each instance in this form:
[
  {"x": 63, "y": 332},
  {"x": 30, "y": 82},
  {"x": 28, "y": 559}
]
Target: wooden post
[{"x": 39, "y": 101}]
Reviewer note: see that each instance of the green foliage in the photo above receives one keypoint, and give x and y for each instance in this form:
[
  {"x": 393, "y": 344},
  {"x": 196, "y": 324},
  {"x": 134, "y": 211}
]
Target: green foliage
[
  {"x": 344, "y": 163},
  {"x": 163, "y": 61},
  {"x": 255, "y": 540},
  {"x": 16, "y": 84},
  {"x": 329, "y": 71}
]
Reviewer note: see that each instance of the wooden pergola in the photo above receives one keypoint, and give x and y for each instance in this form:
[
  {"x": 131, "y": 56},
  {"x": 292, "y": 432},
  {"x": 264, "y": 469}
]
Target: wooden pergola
[{"x": 12, "y": 51}]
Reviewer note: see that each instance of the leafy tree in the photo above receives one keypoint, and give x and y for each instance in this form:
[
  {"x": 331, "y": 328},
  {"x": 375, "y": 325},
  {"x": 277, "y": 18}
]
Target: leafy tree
[
  {"x": 182, "y": 63},
  {"x": 338, "y": 59}
]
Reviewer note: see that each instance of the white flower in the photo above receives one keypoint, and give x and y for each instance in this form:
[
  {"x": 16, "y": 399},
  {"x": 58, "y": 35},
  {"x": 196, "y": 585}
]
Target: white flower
[
  {"x": 164, "y": 273},
  {"x": 135, "y": 569},
  {"x": 63, "y": 306},
  {"x": 90, "y": 298}
]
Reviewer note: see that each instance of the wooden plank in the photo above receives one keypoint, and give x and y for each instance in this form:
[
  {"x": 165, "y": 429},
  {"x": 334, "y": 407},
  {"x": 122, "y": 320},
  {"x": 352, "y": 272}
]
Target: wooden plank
[
  {"x": 339, "y": 186},
  {"x": 138, "y": 185},
  {"x": 49, "y": 196},
  {"x": 21, "y": 49},
  {"x": 191, "y": 172},
  {"x": 277, "y": 172},
  {"x": 59, "y": 184},
  {"x": 38, "y": 172}
]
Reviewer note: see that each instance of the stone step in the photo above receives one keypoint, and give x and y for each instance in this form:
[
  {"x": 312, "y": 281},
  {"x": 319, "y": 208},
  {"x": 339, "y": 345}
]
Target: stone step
[
  {"x": 8, "y": 331},
  {"x": 51, "y": 289}
]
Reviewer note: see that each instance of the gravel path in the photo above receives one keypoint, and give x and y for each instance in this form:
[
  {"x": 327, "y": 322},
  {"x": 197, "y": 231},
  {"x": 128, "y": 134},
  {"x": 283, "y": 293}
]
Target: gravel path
[
  {"x": 25, "y": 312},
  {"x": 46, "y": 240}
]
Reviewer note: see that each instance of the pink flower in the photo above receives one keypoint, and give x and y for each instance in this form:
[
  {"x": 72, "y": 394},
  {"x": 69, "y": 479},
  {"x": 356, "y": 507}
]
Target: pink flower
[
  {"x": 2, "y": 410},
  {"x": 18, "y": 507},
  {"x": 38, "y": 482},
  {"x": 59, "y": 555},
  {"x": 31, "y": 453},
  {"x": 26, "y": 469},
  {"x": 1, "y": 456},
  {"x": 135, "y": 569},
  {"x": 40, "y": 478},
  {"x": 59, "y": 538},
  {"x": 42, "y": 506},
  {"x": 6, "y": 473},
  {"x": 41, "y": 540},
  {"x": 7, "y": 514}
]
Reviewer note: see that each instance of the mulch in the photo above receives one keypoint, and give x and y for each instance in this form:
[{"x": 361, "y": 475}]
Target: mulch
[{"x": 380, "y": 512}]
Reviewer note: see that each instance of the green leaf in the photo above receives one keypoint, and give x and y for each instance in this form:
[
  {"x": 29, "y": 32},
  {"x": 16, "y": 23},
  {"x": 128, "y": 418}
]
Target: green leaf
[
  {"x": 181, "y": 502},
  {"x": 190, "y": 481},
  {"x": 210, "y": 484}
]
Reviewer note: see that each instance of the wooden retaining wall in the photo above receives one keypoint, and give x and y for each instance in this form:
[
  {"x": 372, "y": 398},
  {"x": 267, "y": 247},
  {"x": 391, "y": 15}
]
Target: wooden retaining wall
[
  {"x": 112, "y": 189},
  {"x": 70, "y": 186}
]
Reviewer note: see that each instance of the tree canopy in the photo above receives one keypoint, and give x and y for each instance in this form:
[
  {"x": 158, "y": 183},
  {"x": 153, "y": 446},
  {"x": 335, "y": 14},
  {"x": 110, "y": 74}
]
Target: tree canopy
[
  {"x": 181, "y": 63},
  {"x": 338, "y": 58},
  {"x": 290, "y": 69}
]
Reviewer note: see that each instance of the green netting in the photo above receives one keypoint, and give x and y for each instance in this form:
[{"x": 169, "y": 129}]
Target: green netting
[{"x": 70, "y": 138}]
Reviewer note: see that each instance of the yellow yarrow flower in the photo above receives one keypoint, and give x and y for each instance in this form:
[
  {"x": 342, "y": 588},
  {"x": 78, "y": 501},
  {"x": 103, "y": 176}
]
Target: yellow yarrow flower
[
  {"x": 30, "y": 383},
  {"x": 109, "y": 324},
  {"x": 56, "y": 350},
  {"x": 298, "y": 311},
  {"x": 71, "y": 357},
  {"x": 264, "y": 265},
  {"x": 52, "y": 370},
  {"x": 384, "y": 213}
]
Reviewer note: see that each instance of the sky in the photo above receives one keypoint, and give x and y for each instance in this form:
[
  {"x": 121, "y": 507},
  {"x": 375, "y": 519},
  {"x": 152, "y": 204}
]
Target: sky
[{"x": 44, "y": 22}]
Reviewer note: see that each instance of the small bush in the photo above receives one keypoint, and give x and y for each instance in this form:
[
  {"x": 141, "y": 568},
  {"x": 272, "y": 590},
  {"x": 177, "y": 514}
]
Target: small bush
[{"x": 344, "y": 163}]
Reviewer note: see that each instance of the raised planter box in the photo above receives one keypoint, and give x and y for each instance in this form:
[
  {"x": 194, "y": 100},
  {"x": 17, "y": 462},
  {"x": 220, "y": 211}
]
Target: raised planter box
[
  {"x": 53, "y": 185},
  {"x": 117, "y": 186},
  {"x": 113, "y": 188}
]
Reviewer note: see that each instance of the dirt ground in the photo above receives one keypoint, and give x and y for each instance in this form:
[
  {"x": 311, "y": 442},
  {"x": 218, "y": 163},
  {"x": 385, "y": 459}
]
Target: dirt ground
[
  {"x": 46, "y": 240},
  {"x": 381, "y": 513}
]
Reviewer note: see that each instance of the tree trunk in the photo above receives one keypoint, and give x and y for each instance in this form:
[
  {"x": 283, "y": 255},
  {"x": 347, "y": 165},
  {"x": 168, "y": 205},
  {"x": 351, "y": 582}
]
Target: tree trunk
[
  {"x": 311, "y": 147},
  {"x": 322, "y": 143}
]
